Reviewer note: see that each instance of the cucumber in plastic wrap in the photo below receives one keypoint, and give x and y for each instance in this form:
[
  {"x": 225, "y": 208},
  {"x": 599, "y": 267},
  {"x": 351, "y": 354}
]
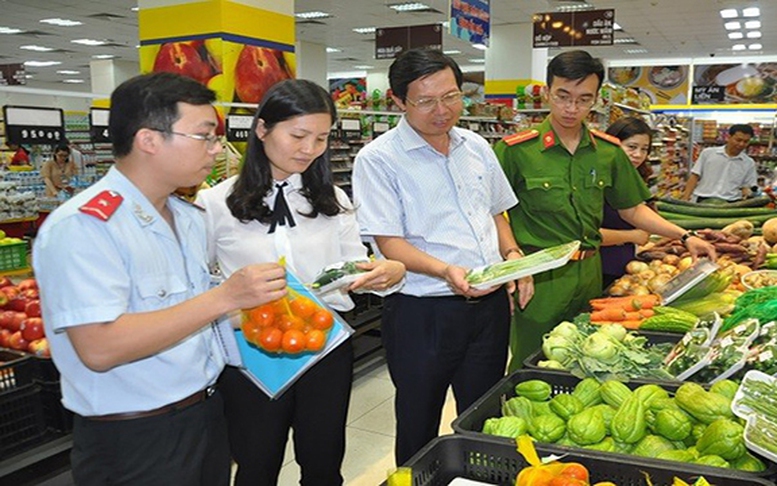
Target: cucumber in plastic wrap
[
  {"x": 336, "y": 276},
  {"x": 499, "y": 273}
]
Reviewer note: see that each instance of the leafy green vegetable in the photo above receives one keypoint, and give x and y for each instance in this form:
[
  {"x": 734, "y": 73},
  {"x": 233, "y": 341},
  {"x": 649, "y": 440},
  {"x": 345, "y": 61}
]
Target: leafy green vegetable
[{"x": 509, "y": 267}]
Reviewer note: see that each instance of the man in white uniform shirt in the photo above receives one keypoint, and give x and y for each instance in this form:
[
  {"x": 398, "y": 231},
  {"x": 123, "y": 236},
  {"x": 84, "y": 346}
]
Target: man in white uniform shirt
[{"x": 724, "y": 172}]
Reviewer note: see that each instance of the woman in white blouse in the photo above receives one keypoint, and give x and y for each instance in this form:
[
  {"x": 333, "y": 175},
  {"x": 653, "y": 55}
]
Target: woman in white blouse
[{"x": 284, "y": 203}]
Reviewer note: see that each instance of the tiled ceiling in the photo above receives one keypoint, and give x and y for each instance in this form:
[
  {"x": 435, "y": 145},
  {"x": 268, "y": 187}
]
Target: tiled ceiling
[{"x": 664, "y": 28}]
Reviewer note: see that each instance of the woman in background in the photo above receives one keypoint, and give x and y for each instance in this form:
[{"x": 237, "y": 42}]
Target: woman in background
[
  {"x": 619, "y": 238},
  {"x": 59, "y": 172}
]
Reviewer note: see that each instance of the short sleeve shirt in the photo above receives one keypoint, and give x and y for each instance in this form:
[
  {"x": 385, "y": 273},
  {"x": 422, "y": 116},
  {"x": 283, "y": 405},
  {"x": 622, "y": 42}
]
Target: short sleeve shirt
[
  {"x": 562, "y": 195},
  {"x": 723, "y": 176}
]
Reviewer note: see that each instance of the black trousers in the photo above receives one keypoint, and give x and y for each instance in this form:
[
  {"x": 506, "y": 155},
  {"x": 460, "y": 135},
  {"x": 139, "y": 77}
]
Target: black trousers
[
  {"x": 188, "y": 446},
  {"x": 435, "y": 342},
  {"x": 315, "y": 407}
]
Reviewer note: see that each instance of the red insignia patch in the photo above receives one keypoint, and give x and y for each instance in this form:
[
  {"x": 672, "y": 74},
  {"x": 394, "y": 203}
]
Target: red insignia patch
[
  {"x": 606, "y": 136},
  {"x": 549, "y": 140},
  {"x": 520, "y": 137},
  {"x": 103, "y": 205}
]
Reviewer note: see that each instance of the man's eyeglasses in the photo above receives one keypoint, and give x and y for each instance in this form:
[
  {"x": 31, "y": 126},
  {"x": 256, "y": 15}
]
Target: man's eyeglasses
[
  {"x": 210, "y": 140},
  {"x": 429, "y": 104},
  {"x": 566, "y": 100}
]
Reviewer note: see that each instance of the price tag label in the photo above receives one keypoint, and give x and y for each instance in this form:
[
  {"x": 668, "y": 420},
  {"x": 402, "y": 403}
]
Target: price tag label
[
  {"x": 98, "y": 125},
  {"x": 34, "y": 126},
  {"x": 239, "y": 127}
]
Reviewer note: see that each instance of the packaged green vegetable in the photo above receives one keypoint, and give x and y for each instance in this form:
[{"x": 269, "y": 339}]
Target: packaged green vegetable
[
  {"x": 337, "y": 276},
  {"x": 482, "y": 278}
]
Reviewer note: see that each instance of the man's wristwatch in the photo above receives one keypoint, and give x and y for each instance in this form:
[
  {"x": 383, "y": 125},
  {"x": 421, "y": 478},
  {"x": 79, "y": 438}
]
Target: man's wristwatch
[
  {"x": 514, "y": 249},
  {"x": 688, "y": 234}
]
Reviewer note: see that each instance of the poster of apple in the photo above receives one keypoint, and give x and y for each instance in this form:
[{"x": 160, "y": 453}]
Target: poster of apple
[{"x": 348, "y": 90}]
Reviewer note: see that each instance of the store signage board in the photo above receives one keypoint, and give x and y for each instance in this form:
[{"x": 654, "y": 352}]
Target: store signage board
[
  {"x": 740, "y": 83},
  {"x": 390, "y": 42},
  {"x": 34, "y": 126},
  {"x": 12, "y": 75},
  {"x": 238, "y": 127},
  {"x": 708, "y": 94},
  {"x": 566, "y": 29},
  {"x": 471, "y": 20},
  {"x": 98, "y": 125}
]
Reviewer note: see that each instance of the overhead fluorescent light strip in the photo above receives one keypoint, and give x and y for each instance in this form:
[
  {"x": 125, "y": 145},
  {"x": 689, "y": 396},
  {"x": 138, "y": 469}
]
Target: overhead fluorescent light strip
[
  {"x": 364, "y": 30},
  {"x": 36, "y": 48},
  {"x": 41, "y": 63},
  {"x": 331, "y": 50},
  {"x": 10, "y": 30},
  {"x": 89, "y": 42},
  {"x": 751, "y": 12},
  {"x": 409, "y": 7},
  {"x": 729, "y": 13},
  {"x": 61, "y": 22},
  {"x": 68, "y": 72},
  {"x": 312, "y": 15},
  {"x": 73, "y": 81}
]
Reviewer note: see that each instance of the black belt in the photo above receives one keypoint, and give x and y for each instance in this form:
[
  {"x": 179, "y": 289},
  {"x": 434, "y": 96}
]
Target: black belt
[
  {"x": 192, "y": 399},
  {"x": 464, "y": 299}
]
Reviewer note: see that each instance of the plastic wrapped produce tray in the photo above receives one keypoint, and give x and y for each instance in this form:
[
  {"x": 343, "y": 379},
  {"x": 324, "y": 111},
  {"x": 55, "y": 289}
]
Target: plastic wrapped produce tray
[
  {"x": 21, "y": 420},
  {"x": 495, "y": 461},
  {"x": 470, "y": 422},
  {"x": 16, "y": 371}
]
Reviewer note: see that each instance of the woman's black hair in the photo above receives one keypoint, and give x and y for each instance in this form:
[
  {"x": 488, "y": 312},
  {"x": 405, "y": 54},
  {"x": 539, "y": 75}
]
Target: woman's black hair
[
  {"x": 62, "y": 147},
  {"x": 285, "y": 100},
  {"x": 625, "y": 128}
]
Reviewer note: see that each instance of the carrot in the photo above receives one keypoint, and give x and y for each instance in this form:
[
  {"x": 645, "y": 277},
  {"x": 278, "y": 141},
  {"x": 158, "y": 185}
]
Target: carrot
[
  {"x": 633, "y": 325},
  {"x": 634, "y": 316},
  {"x": 645, "y": 313},
  {"x": 609, "y": 314},
  {"x": 630, "y": 303}
]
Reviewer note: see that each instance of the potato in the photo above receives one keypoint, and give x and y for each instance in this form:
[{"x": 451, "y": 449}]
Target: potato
[
  {"x": 769, "y": 229},
  {"x": 655, "y": 264},
  {"x": 635, "y": 267},
  {"x": 684, "y": 264},
  {"x": 671, "y": 260}
]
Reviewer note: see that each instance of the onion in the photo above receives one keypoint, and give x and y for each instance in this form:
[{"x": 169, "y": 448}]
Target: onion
[
  {"x": 646, "y": 275},
  {"x": 655, "y": 264},
  {"x": 657, "y": 282},
  {"x": 684, "y": 264},
  {"x": 634, "y": 267},
  {"x": 618, "y": 291},
  {"x": 640, "y": 290},
  {"x": 671, "y": 260},
  {"x": 667, "y": 269}
]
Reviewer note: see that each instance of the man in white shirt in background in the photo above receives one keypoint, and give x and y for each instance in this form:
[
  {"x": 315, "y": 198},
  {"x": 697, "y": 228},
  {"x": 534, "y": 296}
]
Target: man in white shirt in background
[{"x": 724, "y": 172}]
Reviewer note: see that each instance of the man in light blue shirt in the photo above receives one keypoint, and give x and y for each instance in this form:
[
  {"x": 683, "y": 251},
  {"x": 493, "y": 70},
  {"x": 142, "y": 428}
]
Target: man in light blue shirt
[
  {"x": 124, "y": 283},
  {"x": 433, "y": 196}
]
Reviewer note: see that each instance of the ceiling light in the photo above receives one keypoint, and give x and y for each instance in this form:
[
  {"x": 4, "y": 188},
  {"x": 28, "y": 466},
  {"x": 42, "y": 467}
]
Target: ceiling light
[
  {"x": 88, "y": 42},
  {"x": 729, "y": 13},
  {"x": 28, "y": 76},
  {"x": 575, "y": 7},
  {"x": 480, "y": 47},
  {"x": 61, "y": 22},
  {"x": 732, "y": 25},
  {"x": 41, "y": 63},
  {"x": 330, "y": 50},
  {"x": 751, "y": 12},
  {"x": 736, "y": 35},
  {"x": 135, "y": 9},
  {"x": 738, "y": 47},
  {"x": 73, "y": 81},
  {"x": 625, "y": 40},
  {"x": 364, "y": 30},
  {"x": 635, "y": 51},
  {"x": 451, "y": 53},
  {"x": 446, "y": 25},
  {"x": 477, "y": 61},
  {"x": 409, "y": 7},
  {"x": 753, "y": 24},
  {"x": 36, "y": 48},
  {"x": 312, "y": 15},
  {"x": 9, "y": 30},
  {"x": 69, "y": 72},
  {"x": 754, "y": 34},
  {"x": 615, "y": 26},
  {"x": 103, "y": 56},
  {"x": 363, "y": 66},
  {"x": 755, "y": 47}
]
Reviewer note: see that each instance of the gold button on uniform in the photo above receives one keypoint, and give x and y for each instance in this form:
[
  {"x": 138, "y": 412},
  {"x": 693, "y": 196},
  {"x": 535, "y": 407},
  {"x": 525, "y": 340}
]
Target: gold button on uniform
[{"x": 546, "y": 185}]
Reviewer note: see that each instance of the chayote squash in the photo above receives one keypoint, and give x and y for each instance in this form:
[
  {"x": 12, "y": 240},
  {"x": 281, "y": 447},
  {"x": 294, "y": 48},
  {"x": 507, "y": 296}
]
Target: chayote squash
[
  {"x": 606, "y": 445},
  {"x": 703, "y": 406},
  {"x": 676, "y": 455},
  {"x": 650, "y": 420},
  {"x": 712, "y": 460},
  {"x": 541, "y": 408},
  {"x": 672, "y": 424},
  {"x": 518, "y": 407},
  {"x": 547, "y": 428},
  {"x": 587, "y": 391},
  {"x": 607, "y": 413},
  {"x": 692, "y": 450},
  {"x": 565, "y": 405},
  {"x": 748, "y": 463},
  {"x": 648, "y": 393},
  {"x": 651, "y": 446},
  {"x": 510, "y": 427},
  {"x": 628, "y": 424},
  {"x": 614, "y": 393},
  {"x": 727, "y": 388},
  {"x": 534, "y": 390},
  {"x": 659, "y": 404},
  {"x": 724, "y": 438},
  {"x": 622, "y": 447},
  {"x": 566, "y": 441},
  {"x": 587, "y": 427}
]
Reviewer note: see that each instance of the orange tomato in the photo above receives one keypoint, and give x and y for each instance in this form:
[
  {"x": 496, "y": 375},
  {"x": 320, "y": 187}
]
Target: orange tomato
[
  {"x": 294, "y": 341},
  {"x": 250, "y": 331},
  {"x": 316, "y": 340},
  {"x": 321, "y": 319},
  {"x": 303, "y": 307},
  {"x": 279, "y": 306},
  {"x": 270, "y": 339},
  {"x": 567, "y": 481},
  {"x": 575, "y": 470},
  {"x": 263, "y": 316},
  {"x": 287, "y": 322}
]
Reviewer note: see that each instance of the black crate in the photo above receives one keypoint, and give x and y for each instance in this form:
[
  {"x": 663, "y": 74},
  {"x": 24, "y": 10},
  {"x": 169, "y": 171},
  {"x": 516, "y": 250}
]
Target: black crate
[
  {"x": 470, "y": 422},
  {"x": 17, "y": 370},
  {"x": 56, "y": 416},
  {"x": 497, "y": 462},
  {"x": 46, "y": 370},
  {"x": 21, "y": 420}
]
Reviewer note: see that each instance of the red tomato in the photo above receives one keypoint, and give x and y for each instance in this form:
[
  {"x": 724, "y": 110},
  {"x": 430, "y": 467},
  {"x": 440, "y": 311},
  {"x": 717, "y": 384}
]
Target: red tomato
[
  {"x": 15, "y": 320},
  {"x": 303, "y": 307},
  {"x": 263, "y": 316},
  {"x": 270, "y": 338},
  {"x": 316, "y": 340},
  {"x": 6, "y": 318},
  {"x": 279, "y": 306},
  {"x": 567, "y": 481},
  {"x": 32, "y": 328},
  {"x": 322, "y": 319},
  {"x": 250, "y": 331},
  {"x": 294, "y": 341},
  {"x": 286, "y": 322},
  {"x": 32, "y": 309}
]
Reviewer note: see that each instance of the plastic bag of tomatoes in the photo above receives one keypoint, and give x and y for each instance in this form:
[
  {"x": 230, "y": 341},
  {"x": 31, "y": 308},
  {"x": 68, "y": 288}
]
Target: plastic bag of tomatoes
[{"x": 293, "y": 325}]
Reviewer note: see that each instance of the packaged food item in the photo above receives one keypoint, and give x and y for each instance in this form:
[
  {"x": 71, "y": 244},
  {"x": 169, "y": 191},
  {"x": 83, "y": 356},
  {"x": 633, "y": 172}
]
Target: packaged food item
[{"x": 337, "y": 276}]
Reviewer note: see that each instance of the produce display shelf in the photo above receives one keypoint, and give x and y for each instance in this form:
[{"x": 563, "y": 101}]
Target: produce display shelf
[{"x": 497, "y": 462}]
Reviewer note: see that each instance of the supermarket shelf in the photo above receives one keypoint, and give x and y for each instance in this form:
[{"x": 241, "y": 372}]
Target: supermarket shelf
[
  {"x": 20, "y": 271},
  {"x": 631, "y": 108}
]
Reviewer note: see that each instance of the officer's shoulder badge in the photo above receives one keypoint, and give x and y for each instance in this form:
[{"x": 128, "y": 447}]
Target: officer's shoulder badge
[
  {"x": 606, "y": 136},
  {"x": 521, "y": 137},
  {"x": 103, "y": 205}
]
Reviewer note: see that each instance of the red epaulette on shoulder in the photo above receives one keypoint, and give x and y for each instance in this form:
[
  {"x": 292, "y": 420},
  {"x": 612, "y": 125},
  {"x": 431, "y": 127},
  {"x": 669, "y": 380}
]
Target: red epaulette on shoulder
[
  {"x": 606, "y": 136},
  {"x": 103, "y": 205},
  {"x": 521, "y": 137}
]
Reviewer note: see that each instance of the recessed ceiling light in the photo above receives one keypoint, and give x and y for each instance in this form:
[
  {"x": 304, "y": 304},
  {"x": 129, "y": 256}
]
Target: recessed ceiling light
[
  {"x": 28, "y": 76},
  {"x": 69, "y": 72},
  {"x": 61, "y": 22},
  {"x": 625, "y": 40},
  {"x": 330, "y": 50},
  {"x": 312, "y": 15},
  {"x": 732, "y": 25},
  {"x": 364, "y": 30},
  {"x": 89, "y": 42},
  {"x": 451, "y": 52},
  {"x": 751, "y": 12},
  {"x": 135, "y": 9},
  {"x": 635, "y": 51},
  {"x": 103, "y": 56},
  {"x": 409, "y": 7},
  {"x": 73, "y": 81},
  {"x": 480, "y": 47},
  {"x": 753, "y": 24},
  {"x": 754, "y": 34},
  {"x": 35, "y": 48},
  {"x": 575, "y": 7},
  {"x": 738, "y": 47},
  {"x": 729, "y": 13},
  {"x": 9, "y": 30},
  {"x": 736, "y": 35},
  {"x": 363, "y": 66},
  {"x": 616, "y": 26},
  {"x": 41, "y": 63},
  {"x": 477, "y": 61},
  {"x": 755, "y": 47}
]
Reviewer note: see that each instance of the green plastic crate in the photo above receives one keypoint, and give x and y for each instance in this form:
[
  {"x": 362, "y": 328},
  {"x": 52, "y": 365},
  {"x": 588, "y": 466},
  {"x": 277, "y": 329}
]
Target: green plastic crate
[{"x": 13, "y": 257}]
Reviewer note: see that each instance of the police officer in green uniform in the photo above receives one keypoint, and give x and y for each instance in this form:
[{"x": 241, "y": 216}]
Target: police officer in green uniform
[{"x": 562, "y": 173}]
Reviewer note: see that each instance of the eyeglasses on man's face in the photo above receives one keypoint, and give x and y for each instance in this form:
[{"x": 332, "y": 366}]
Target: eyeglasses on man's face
[
  {"x": 210, "y": 140},
  {"x": 584, "y": 102},
  {"x": 429, "y": 104}
]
